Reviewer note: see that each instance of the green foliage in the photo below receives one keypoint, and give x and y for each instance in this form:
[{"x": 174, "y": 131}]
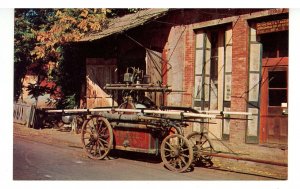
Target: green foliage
[
  {"x": 26, "y": 22},
  {"x": 69, "y": 102}
]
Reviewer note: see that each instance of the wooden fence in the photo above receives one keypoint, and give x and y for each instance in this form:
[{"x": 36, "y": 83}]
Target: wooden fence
[{"x": 24, "y": 114}]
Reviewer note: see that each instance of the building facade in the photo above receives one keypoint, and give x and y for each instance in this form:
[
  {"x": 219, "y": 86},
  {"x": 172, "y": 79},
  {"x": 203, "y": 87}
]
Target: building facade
[
  {"x": 223, "y": 60},
  {"x": 231, "y": 60}
]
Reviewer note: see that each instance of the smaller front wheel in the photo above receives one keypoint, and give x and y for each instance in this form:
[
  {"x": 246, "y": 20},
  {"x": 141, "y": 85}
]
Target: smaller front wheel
[
  {"x": 202, "y": 147},
  {"x": 176, "y": 153}
]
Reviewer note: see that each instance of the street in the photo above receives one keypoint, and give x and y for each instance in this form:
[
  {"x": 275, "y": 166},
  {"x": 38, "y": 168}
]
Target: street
[{"x": 39, "y": 161}]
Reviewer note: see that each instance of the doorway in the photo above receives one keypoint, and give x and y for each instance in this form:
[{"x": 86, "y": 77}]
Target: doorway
[{"x": 274, "y": 88}]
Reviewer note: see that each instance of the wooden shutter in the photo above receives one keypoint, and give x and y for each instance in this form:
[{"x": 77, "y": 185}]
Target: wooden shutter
[
  {"x": 227, "y": 81},
  {"x": 255, "y": 62},
  {"x": 154, "y": 70},
  {"x": 198, "y": 97},
  {"x": 202, "y": 71},
  {"x": 206, "y": 68},
  {"x": 199, "y": 62}
]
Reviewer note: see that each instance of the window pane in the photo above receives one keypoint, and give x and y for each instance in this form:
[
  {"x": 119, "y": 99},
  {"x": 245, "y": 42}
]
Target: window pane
[
  {"x": 275, "y": 44},
  {"x": 269, "y": 48},
  {"x": 283, "y": 45},
  {"x": 198, "y": 87},
  {"x": 199, "y": 62},
  {"x": 197, "y": 103},
  {"x": 276, "y": 97},
  {"x": 277, "y": 79}
]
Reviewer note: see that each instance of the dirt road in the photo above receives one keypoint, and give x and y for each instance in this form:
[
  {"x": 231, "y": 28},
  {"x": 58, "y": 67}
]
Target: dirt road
[{"x": 49, "y": 154}]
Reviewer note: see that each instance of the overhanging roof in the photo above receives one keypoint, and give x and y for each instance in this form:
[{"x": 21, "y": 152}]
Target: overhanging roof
[{"x": 126, "y": 22}]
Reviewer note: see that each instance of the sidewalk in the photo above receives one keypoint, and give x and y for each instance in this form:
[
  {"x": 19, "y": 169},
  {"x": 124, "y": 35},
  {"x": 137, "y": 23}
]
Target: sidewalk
[
  {"x": 48, "y": 136},
  {"x": 253, "y": 151},
  {"x": 63, "y": 139}
]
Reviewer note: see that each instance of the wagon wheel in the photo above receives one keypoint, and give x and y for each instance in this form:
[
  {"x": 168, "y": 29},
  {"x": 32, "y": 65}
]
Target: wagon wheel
[
  {"x": 97, "y": 137},
  {"x": 201, "y": 145},
  {"x": 176, "y": 153}
]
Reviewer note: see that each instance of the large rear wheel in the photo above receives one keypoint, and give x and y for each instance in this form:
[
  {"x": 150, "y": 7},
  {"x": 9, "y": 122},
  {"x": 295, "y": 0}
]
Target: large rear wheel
[{"x": 97, "y": 137}]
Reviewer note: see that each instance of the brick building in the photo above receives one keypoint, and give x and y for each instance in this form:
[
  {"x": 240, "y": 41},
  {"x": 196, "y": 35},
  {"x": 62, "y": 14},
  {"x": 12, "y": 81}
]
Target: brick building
[{"x": 223, "y": 59}]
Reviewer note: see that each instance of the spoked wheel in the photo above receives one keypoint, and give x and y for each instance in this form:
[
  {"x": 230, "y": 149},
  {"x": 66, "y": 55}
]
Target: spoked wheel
[
  {"x": 202, "y": 147},
  {"x": 97, "y": 137},
  {"x": 176, "y": 153}
]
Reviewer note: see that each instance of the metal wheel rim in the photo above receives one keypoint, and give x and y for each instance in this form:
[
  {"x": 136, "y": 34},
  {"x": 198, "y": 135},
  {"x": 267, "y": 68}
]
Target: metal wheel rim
[
  {"x": 176, "y": 153},
  {"x": 97, "y": 137}
]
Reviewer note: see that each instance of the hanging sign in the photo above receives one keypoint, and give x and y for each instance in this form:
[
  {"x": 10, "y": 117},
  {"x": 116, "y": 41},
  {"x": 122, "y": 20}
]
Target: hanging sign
[{"x": 272, "y": 26}]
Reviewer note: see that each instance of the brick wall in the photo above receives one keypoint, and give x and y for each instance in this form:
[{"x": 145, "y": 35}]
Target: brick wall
[
  {"x": 240, "y": 54},
  {"x": 189, "y": 60},
  {"x": 239, "y": 77},
  {"x": 239, "y": 74}
]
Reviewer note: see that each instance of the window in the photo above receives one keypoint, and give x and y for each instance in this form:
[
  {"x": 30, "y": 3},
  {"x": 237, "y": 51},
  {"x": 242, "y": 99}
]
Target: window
[
  {"x": 277, "y": 87},
  {"x": 213, "y": 60},
  {"x": 214, "y": 57},
  {"x": 216, "y": 43},
  {"x": 206, "y": 69},
  {"x": 275, "y": 44}
]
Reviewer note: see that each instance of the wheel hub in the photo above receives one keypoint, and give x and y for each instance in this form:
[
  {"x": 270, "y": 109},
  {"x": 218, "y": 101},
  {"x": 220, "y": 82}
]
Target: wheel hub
[
  {"x": 94, "y": 136},
  {"x": 175, "y": 152}
]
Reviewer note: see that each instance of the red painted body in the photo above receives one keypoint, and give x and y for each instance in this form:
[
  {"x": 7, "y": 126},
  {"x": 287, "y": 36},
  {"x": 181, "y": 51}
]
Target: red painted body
[{"x": 135, "y": 139}]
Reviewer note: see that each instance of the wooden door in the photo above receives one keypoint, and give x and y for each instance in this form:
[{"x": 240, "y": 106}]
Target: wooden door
[
  {"x": 274, "y": 124},
  {"x": 99, "y": 72}
]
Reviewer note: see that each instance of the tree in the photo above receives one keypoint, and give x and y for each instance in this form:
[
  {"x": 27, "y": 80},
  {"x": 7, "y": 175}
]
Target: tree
[
  {"x": 41, "y": 38},
  {"x": 26, "y": 21},
  {"x": 40, "y": 35}
]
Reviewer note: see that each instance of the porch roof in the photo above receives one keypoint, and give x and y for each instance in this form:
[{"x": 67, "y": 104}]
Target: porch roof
[{"x": 126, "y": 22}]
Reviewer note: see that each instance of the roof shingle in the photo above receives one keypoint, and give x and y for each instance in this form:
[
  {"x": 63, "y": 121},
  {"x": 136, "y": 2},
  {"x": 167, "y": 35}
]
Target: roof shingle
[{"x": 126, "y": 22}]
